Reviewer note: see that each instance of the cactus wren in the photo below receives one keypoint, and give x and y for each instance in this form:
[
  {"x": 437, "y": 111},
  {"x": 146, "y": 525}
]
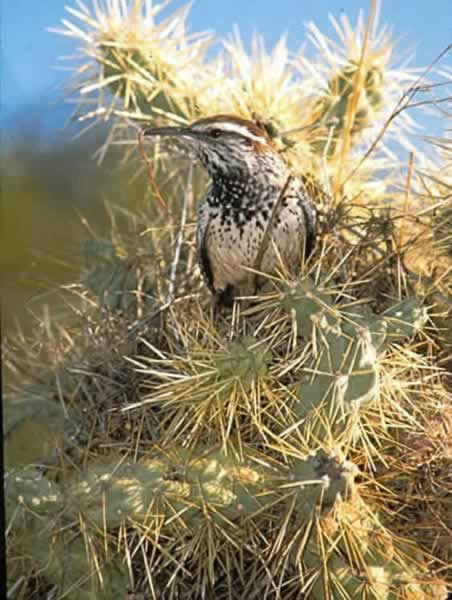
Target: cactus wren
[{"x": 254, "y": 215}]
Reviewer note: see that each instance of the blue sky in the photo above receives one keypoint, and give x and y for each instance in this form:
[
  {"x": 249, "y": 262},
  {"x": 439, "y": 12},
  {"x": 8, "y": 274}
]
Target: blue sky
[{"x": 30, "y": 84}]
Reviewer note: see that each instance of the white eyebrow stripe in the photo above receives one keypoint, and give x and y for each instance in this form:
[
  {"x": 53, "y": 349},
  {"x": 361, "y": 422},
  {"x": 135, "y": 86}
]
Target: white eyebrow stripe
[
  {"x": 235, "y": 128},
  {"x": 240, "y": 129}
]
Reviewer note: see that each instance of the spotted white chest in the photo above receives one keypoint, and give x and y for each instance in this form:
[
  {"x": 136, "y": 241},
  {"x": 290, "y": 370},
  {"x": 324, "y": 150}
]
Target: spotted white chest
[{"x": 230, "y": 237}]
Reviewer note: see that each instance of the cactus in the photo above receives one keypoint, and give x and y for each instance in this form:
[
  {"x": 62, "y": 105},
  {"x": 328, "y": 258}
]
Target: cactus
[
  {"x": 334, "y": 105},
  {"x": 227, "y": 375},
  {"x": 113, "y": 493},
  {"x": 348, "y": 552},
  {"x": 343, "y": 371},
  {"x": 243, "y": 361},
  {"x": 36, "y": 428},
  {"x": 68, "y": 566},
  {"x": 351, "y": 555},
  {"x": 377, "y": 575},
  {"x": 119, "y": 283},
  {"x": 145, "y": 65},
  {"x": 134, "y": 76},
  {"x": 309, "y": 304},
  {"x": 404, "y": 320},
  {"x": 201, "y": 488},
  {"x": 321, "y": 479},
  {"x": 27, "y": 489},
  {"x": 337, "y": 579},
  {"x": 63, "y": 560},
  {"x": 341, "y": 375},
  {"x": 313, "y": 307},
  {"x": 335, "y": 576}
]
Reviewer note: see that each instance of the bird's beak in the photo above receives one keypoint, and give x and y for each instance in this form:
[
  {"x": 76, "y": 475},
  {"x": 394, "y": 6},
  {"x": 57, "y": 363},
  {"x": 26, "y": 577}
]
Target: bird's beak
[{"x": 168, "y": 131}]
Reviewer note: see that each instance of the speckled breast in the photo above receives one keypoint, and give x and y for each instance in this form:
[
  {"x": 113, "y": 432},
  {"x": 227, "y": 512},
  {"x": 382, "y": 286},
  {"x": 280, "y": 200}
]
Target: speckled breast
[{"x": 233, "y": 240}]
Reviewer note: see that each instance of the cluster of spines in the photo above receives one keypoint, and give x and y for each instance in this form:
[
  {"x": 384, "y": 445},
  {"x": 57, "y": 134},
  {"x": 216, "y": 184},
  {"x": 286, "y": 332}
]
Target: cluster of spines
[
  {"x": 180, "y": 489},
  {"x": 342, "y": 372}
]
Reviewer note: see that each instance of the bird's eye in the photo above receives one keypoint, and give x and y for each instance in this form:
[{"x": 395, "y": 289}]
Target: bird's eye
[{"x": 215, "y": 133}]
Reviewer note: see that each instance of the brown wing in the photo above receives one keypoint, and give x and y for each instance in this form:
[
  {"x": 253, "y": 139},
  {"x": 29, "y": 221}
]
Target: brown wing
[
  {"x": 225, "y": 296},
  {"x": 201, "y": 243},
  {"x": 305, "y": 202}
]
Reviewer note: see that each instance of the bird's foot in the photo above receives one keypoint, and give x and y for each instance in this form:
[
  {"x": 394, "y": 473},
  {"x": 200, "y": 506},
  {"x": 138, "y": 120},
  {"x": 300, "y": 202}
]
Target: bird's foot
[{"x": 222, "y": 298}]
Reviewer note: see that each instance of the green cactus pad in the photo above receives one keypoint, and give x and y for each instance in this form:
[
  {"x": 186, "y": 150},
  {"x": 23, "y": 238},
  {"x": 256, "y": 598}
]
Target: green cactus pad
[
  {"x": 36, "y": 427},
  {"x": 320, "y": 479},
  {"x": 342, "y": 375},
  {"x": 112, "y": 278},
  {"x": 405, "y": 319},
  {"x": 333, "y": 105},
  {"x": 167, "y": 485},
  {"x": 65, "y": 562},
  {"x": 111, "y": 493},
  {"x": 309, "y": 305},
  {"x": 342, "y": 372},
  {"x": 120, "y": 64},
  {"x": 243, "y": 361},
  {"x": 28, "y": 490}
]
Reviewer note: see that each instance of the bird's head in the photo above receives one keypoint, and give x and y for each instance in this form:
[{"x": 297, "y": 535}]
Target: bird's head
[{"x": 225, "y": 144}]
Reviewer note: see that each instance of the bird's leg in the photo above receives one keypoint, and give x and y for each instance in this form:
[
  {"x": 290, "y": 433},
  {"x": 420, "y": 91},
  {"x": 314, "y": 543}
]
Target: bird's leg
[
  {"x": 222, "y": 297},
  {"x": 215, "y": 308},
  {"x": 226, "y": 296}
]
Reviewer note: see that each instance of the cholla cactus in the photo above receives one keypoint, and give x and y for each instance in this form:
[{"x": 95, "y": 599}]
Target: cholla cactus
[
  {"x": 343, "y": 372},
  {"x": 154, "y": 70},
  {"x": 144, "y": 64},
  {"x": 118, "y": 282},
  {"x": 356, "y": 84},
  {"x": 300, "y": 446}
]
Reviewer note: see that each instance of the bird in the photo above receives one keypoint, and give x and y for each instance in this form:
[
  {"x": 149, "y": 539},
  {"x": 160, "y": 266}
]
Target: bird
[{"x": 255, "y": 215}]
